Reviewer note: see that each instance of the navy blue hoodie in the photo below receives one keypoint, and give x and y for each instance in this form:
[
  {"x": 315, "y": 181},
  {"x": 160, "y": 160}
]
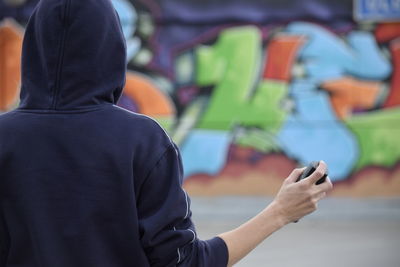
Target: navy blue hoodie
[{"x": 84, "y": 183}]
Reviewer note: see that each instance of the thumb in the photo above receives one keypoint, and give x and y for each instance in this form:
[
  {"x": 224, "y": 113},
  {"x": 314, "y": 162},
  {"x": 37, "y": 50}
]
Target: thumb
[{"x": 294, "y": 175}]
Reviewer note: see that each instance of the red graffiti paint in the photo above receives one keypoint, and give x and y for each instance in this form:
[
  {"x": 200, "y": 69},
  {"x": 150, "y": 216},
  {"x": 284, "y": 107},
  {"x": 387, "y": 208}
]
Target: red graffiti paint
[
  {"x": 394, "y": 95},
  {"x": 281, "y": 54},
  {"x": 387, "y": 31}
]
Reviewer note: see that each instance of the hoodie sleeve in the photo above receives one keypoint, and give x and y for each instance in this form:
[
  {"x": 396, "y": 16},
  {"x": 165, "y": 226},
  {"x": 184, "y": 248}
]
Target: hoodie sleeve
[{"x": 168, "y": 235}]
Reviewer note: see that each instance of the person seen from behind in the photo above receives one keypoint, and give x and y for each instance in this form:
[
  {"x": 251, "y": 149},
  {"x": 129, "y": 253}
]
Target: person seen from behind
[{"x": 85, "y": 183}]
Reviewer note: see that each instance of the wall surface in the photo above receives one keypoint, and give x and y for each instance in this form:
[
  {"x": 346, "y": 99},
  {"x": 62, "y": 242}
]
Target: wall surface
[{"x": 250, "y": 89}]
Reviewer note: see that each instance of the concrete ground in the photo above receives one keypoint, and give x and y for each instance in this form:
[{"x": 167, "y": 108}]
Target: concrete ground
[{"x": 341, "y": 233}]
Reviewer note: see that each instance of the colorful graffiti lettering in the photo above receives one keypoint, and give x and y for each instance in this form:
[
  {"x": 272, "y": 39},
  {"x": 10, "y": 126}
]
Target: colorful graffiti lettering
[
  {"x": 299, "y": 90},
  {"x": 257, "y": 83}
]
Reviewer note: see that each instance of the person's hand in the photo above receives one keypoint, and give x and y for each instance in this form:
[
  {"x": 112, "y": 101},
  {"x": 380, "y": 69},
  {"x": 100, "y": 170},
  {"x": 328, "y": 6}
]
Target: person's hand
[
  {"x": 297, "y": 199},
  {"x": 294, "y": 200}
]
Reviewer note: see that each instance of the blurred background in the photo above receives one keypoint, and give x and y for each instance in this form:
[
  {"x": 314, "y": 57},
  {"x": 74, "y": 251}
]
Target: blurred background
[{"x": 249, "y": 90}]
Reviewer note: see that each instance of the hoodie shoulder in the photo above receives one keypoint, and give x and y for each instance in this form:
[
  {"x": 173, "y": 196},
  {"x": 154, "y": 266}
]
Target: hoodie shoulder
[
  {"x": 7, "y": 119},
  {"x": 144, "y": 127},
  {"x": 144, "y": 120},
  {"x": 150, "y": 141}
]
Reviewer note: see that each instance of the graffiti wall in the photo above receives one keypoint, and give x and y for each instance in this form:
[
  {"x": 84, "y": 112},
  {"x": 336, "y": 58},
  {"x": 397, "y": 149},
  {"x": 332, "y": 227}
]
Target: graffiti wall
[{"x": 250, "y": 89}]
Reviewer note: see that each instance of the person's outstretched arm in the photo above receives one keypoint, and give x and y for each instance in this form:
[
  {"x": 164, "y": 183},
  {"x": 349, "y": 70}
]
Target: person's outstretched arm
[
  {"x": 293, "y": 201},
  {"x": 168, "y": 236}
]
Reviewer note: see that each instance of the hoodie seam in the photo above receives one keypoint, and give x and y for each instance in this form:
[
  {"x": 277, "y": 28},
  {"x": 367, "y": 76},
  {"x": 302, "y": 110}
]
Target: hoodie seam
[
  {"x": 156, "y": 162},
  {"x": 61, "y": 52},
  {"x": 61, "y": 111}
]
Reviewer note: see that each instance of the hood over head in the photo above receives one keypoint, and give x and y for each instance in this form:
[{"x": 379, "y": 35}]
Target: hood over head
[{"x": 73, "y": 55}]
